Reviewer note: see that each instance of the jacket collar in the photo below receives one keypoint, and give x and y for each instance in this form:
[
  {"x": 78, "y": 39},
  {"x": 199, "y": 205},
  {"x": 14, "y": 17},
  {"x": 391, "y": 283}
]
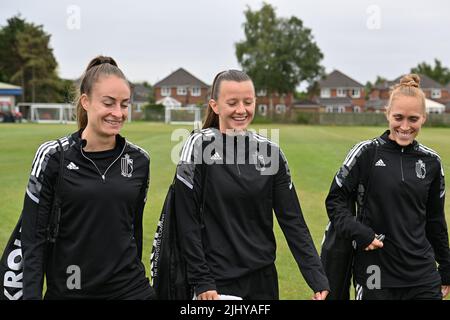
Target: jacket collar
[
  {"x": 81, "y": 143},
  {"x": 394, "y": 145}
]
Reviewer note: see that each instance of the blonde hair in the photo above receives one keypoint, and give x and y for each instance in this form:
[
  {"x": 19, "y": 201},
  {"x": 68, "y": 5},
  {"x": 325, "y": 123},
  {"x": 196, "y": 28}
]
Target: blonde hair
[
  {"x": 409, "y": 85},
  {"x": 97, "y": 67}
]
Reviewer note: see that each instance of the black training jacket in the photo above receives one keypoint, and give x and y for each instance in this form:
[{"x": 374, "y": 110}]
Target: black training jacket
[
  {"x": 100, "y": 236},
  {"x": 403, "y": 191},
  {"x": 245, "y": 177}
]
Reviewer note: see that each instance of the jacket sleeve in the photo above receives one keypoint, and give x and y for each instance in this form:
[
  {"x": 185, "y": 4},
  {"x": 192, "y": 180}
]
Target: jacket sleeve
[
  {"x": 290, "y": 217},
  {"x": 342, "y": 193},
  {"x": 142, "y": 199},
  {"x": 35, "y": 214},
  {"x": 188, "y": 195},
  {"x": 436, "y": 226}
]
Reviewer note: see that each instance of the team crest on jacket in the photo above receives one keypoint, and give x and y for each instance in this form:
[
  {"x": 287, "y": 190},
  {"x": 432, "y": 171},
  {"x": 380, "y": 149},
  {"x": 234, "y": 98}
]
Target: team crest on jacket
[
  {"x": 126, "y": 164},
  {"x": 421, "y": 171},
  {"x": 260, "y": 162}
]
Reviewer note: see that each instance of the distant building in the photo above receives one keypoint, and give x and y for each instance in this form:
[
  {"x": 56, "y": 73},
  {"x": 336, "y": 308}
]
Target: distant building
[
  {"x": 340, "y": 93},
  {"x": 182, "y": 86},
  {"x": 8, "y": 94},
  {"x": 139, "y": 98},
  {"x": 281, "y": 102},
  {"x": 379, "y": 95},
  {"x": 307, "y": 106}
]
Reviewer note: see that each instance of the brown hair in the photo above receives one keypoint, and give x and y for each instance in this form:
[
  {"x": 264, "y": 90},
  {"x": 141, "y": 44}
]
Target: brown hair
[
  {"x": 98, "y": 67},
  {"x": 409, "y": 85},
  {"x": 212, "y": 119}
]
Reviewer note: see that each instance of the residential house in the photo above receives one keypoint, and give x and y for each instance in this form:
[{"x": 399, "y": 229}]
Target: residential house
[
  {"x": 447, "y": 104},
  {"x": 307, "y": 106},
  {"x": 183, "y": 87},
  {"x": 139, "y": 98},
  {"x": 340, "y": 93},
  {"x": 281, "y": 102},
  {"x": 379, "y": 95}
]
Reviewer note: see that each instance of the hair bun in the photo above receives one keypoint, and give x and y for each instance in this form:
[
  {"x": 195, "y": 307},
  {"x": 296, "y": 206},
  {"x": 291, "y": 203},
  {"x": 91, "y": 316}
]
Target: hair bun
[
  {"x": 101, "y": 60},
  {"x": 410, "y": 80}
]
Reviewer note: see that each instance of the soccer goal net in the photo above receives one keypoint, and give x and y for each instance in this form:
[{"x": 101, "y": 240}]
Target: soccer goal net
[
  {"x": 183, "y": 115},
  {"x": 52, "y": 113}
]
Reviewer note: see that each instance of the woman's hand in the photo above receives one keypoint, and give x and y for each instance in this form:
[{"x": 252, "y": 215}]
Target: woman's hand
[
  {"x": 445, "y": 290},
  {"x": 208, "y": 295},
  {"x": 320, "y": 295},
  {"x": 376, "y": 244}
]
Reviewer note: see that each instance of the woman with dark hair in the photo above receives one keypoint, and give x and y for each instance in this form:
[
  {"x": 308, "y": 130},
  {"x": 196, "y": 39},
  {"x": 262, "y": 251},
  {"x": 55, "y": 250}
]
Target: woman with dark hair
[
  {"x": 229, "y": 181},
  {"x": 97, "y": 251},
  {"x": 400, "y": 231}
]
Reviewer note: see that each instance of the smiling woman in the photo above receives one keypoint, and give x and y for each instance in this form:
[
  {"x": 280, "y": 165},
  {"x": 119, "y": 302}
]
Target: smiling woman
[
  {"x": 398, "y": 186},
  {"x": 406, "y": 110},
  {"x": 229, "y": 181},
  {"x": 98, "y": 244},
  {"x": 104, "y": 98}
]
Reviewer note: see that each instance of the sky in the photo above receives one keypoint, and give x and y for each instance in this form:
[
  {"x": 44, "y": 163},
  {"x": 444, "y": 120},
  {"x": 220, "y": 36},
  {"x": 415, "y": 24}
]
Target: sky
[{"x": 150, "y": 39}]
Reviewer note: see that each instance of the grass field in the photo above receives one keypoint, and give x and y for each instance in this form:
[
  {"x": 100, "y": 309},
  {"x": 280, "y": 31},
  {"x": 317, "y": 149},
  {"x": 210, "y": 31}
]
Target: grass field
[{"x": 314, "y": 154}]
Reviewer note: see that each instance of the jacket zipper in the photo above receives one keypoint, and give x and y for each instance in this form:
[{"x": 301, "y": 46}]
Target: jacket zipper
[
  {"x": 401, "y": 165},
  {"x": 104, "y": 174}
]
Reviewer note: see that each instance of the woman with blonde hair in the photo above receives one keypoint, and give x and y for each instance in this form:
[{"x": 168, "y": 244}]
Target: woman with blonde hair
[{"x": 400, "y": 231}]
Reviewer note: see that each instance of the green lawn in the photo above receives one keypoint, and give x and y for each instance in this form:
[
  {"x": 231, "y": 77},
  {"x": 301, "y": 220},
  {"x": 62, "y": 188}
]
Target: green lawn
[{"x": 314, "y": 154}]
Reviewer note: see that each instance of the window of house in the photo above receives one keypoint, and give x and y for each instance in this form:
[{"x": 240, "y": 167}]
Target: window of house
[
  {"x": 436, "y": 93},
  {"x": 340, "y": 92},
  {"x": 341, "y": 109},
  {"x": 262, "y": 109},
  {"x": 325, "y": 93},
  {"x": 280, "y": 108},
  {"x": 181, "y": 91},
  {"x": 356, "y": 93},
  {"x": 196, "y": 91},
  {"x": 261, "y": 93},
  {"x": 357, "y": 109},
  {"x": 329, "y": 109},
  {"x": 165, "y": 91}
]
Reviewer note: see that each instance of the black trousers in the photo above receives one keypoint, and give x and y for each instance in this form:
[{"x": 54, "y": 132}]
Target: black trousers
[
  {"x": 423, "y": 292},
  {"x": 261, "y": 284}
]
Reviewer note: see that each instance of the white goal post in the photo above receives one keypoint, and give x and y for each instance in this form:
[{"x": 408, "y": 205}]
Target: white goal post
[
  {"x": 52, "y": 113},
  {"x": 183, "y": 115}
]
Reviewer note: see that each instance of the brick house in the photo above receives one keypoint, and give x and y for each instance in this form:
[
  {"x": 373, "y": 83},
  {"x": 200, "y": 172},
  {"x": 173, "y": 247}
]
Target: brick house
[
  {"x": 340, "y": 93},
  {"x": 447, "y": 104},
  {"x": 140, "y": 97},
  {"x": 379, "y": 95},
  {"x": 183, "y": 87},
  {"x": 306, "y": 105},
  {"x": 281, "y": 103}
]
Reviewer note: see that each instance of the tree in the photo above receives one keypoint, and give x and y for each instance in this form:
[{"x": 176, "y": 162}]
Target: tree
[
  {"x": 151, "y": 92},
  {"x": 278, "y": 53},
  {"x": 10, "y": 60},
  {"x": 438, "y": 73},
  {"x": 27, "y": 60}
]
